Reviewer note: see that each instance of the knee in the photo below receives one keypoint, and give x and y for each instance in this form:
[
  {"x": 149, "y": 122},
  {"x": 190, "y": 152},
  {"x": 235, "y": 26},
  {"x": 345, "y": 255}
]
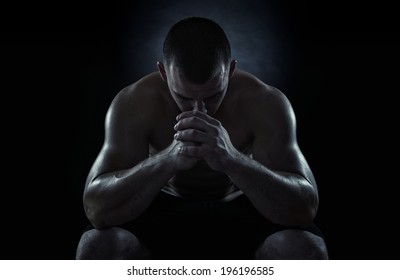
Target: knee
[
  {"x": 110, "y": 244},
  {"x": 293, "y": 244}
]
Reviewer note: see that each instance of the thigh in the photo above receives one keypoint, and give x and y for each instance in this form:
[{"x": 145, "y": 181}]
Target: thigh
[
  {"x": 293, "y": 244},
  {"x": 244, "y": 229},
  {"x": 110, "y": 243}
]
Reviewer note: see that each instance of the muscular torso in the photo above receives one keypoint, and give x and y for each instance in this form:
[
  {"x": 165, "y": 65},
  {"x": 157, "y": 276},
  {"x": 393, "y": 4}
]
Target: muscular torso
[
  {"x": 139, "y": 145},
  {"x": 201, "y": 181}
]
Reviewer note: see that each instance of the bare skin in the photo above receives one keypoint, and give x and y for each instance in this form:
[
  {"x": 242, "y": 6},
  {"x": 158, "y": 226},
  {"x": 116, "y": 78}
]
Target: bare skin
[{"x": 232, "y": 135}]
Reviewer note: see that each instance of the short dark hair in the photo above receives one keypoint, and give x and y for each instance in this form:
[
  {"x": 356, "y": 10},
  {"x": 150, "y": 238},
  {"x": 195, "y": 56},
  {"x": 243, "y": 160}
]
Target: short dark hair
[{"x": 197, "y": 45}]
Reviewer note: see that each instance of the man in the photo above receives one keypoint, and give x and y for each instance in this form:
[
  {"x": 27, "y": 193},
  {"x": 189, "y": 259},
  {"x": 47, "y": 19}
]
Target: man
[{"x": 200, "y": 161}]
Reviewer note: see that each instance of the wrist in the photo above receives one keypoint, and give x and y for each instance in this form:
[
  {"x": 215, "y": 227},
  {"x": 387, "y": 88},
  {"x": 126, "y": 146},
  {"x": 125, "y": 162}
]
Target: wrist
[
  {"x": 167, "y": 162},
  {"x": 173, "y": 159},
  {"x": 233, "y": 162}
]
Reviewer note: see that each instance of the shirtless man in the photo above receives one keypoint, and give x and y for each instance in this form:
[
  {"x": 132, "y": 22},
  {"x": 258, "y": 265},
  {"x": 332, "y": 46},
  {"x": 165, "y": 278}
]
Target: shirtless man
[{"x": 200, "y": 161}]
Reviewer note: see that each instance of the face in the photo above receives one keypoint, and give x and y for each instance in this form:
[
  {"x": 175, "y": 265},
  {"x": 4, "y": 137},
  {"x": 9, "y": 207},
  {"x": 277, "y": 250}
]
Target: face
[{"x": 206, "y": 97}]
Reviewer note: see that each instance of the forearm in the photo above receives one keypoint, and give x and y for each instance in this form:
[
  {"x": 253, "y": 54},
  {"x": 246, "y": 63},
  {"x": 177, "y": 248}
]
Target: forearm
[
  {"x": 118, "y": 197},
  {"x": 283, "y": 198}
]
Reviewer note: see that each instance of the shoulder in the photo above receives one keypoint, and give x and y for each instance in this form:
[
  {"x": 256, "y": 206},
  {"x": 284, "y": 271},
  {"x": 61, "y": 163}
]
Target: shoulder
[
  {"x": 138, "y": 100},
  {"x": 261, "y": 101},
  {"x": 145, "y": 91}
]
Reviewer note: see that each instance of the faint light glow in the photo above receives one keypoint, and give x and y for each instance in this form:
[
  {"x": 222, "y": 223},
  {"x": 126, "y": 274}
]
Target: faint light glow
[{"x": 251, "y": 27}]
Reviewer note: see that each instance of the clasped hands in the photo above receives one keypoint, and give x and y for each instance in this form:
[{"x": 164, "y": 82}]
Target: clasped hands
[{"x": 202, "y": 137}]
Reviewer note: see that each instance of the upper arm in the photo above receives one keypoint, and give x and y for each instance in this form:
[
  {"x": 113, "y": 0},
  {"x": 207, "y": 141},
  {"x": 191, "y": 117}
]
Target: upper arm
[
  {"x": 275, "y": 142},
  {"x": 126, "y": 135}
]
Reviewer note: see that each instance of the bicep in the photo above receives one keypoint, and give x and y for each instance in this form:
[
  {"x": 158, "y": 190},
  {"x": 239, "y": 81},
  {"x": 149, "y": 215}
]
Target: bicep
[
  {"x": 125, "y": 140},
  {"x": 282, "y": 157},
  {"x": 275, "y": 143}
]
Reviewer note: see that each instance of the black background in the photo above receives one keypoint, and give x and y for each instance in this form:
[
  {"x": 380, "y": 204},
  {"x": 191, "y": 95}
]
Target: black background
[{"x": 63, "y": 62}]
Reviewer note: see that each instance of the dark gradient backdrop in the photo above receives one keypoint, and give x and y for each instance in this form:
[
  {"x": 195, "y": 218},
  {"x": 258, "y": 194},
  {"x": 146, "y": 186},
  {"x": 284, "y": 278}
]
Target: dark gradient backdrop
[{"x": 63, "y": 62}]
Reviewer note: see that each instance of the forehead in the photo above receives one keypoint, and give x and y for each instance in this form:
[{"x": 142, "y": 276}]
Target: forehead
[{"x": 179, "y": 83}]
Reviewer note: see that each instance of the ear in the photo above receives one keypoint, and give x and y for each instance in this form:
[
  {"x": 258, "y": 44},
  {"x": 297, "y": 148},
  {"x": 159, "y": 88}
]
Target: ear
[
  {"x": 232, "y": 68},
  {"x": 161, "y": 70}
]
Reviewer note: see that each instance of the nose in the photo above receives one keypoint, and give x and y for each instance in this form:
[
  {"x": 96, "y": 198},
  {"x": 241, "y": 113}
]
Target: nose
[{"x": 199, "y": 105}]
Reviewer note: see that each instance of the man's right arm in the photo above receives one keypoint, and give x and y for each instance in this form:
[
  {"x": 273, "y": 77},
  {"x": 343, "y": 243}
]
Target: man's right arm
[
  {"x": 123, "y": 180},
  {"x": 117, "y": 197}
]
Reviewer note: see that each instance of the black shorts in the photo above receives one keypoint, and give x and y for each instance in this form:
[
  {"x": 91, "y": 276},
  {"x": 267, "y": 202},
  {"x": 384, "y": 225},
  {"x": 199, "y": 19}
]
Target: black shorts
[{"x": 176, "y": 228}]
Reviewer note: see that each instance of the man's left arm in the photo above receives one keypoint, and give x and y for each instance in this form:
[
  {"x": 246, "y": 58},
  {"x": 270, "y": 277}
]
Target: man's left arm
[{"x": 277, "y": 178}]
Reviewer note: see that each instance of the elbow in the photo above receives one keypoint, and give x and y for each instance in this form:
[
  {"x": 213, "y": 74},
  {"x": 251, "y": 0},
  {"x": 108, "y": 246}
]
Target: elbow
[
  {"x": 306, "y": 218},
  {"x": 94, "y": 213},
  {"x": 306, "y": 209},
  {"x": 300, "y": 214},
  {"x": 102, "y": 215},
  {"x": 95, "y": 218},
  {"x": 305, "y": 213},
  {"x": 296, "y": 218}
]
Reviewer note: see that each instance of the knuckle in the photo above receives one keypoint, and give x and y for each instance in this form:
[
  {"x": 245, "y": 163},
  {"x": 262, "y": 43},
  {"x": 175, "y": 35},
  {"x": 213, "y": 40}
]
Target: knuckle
[
  {"x": 178, "y": 125},
  {"x": 182, "y": 122},
  {"x": 194, "y": 119},
  {"x": 192, "y": 133},
  {"x": 214, "y": 130}
]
